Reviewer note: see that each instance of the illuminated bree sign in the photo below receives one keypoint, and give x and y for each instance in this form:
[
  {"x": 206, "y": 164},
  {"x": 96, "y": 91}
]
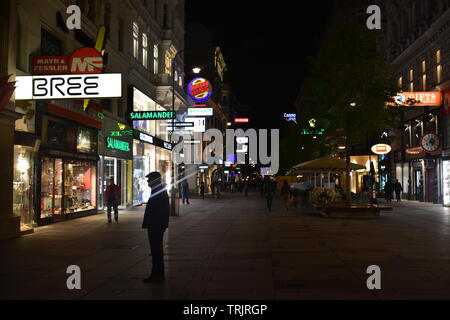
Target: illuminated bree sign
[
  {"x": 106, "y": 85},
  {"x": 311, "y": 131},
  {"x": 199, "y": 89},
  {"x": 117, "y": 144},
  {"x": 151, "y": 115}
]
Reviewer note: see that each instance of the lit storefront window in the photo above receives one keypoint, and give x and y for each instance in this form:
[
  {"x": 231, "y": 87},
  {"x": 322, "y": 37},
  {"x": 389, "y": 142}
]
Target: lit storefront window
[
  {"x": 76, "y": 193},
  {"x": 22, "y": 186}
]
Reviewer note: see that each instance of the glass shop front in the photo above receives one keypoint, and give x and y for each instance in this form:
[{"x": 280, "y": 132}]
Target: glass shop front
[{"x": 67, "y": 170}]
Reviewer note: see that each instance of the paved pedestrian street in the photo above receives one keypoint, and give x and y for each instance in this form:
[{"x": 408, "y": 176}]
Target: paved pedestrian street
[{"x": 233, "y": 248}]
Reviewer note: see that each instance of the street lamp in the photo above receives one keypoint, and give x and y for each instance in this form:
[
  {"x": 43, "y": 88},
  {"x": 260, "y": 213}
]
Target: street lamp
[
  {"x": 196, "y": 70},
  {"x": 172, "y": 198}
]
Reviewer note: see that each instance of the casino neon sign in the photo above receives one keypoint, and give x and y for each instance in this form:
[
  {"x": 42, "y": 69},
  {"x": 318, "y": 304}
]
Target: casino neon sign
[{"x": 199, "y": 89}]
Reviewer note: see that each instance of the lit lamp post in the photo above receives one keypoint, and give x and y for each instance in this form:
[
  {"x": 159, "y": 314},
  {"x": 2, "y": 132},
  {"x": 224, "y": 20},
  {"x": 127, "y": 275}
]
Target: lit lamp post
[{"x": 172, "y": 198}]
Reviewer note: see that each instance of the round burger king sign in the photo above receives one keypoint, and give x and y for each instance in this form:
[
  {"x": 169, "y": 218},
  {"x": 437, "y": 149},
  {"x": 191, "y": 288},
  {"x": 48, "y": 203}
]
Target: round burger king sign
[
  {"x": 199, "y": 89},
  {"x": 381, "y": 148}
]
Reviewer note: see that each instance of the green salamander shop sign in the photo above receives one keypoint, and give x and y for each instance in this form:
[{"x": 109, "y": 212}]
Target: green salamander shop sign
[
  {"x": 151, "y": 115},
  {"x": 117, "y": 144}
]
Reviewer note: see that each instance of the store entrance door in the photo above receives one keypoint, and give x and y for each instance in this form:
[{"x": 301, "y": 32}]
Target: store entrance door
[{"x": 418, "y": 185}]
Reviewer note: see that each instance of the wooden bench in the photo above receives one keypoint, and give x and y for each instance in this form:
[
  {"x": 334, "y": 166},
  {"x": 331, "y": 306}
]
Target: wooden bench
[{"x": 352, "y": 211}]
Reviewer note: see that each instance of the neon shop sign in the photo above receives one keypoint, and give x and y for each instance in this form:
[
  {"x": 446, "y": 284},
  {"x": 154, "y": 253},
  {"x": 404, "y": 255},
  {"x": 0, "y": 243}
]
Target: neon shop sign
[
  {"x": 199, "y": 89},
  {"x": 117, "y": 144}
]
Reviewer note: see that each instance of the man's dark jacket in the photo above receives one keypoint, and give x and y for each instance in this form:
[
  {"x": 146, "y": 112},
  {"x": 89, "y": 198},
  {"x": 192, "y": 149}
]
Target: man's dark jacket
[{"x": 156, "y": 215}]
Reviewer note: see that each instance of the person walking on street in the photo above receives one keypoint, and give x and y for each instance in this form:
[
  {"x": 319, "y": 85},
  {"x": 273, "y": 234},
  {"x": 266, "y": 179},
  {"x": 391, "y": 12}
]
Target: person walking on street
[
  {"x": 270, "y": 188},
  {"x": 388, "y": 190},
  {"x": 246, "y": 187},
  {"x": 156, "y": 221},
  {"x": 112, "y": 196},
  {"x": 202, "y": 190},
  {"x": 185, "y": 191},
  {"x": 218, "y": 187},
  {"x": 398, "y": 189},
  {"x": 286, "y": 194}
]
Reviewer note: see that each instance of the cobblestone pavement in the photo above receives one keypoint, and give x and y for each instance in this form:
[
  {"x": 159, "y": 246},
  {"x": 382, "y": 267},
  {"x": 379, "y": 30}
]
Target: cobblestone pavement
[{"x": 233, "y": 248}]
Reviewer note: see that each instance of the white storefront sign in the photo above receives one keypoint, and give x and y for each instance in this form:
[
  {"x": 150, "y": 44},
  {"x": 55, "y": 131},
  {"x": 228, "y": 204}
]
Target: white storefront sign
[
  {"x": 199, "y": 124},
  {"x": 73, "y": 86},
  {"x": 202, "y": 112},
  {"x": 145, "y": 137}
]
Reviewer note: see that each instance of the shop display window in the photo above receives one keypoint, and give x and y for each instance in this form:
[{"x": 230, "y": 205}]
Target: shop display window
[
  {"x": 79, "y": 186},
  {"x": 141, "y": 190},
  {"x": 22, "y": 186},
  {"x": 51, "y": 189}
]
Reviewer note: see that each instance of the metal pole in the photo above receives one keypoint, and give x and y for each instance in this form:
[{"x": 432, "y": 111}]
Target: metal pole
[{"x": 172, "y": 198}]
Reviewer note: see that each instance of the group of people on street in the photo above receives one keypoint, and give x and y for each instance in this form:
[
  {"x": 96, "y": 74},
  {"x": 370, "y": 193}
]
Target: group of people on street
[
  {"x": 390, "y": 188},
  {"x": 269, "y": 191}
]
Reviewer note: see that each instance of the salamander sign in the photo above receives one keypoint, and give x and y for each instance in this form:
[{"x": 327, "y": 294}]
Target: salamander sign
[
  {"x": 151, "y": 115},
  {"x": 106, "y": 85}
]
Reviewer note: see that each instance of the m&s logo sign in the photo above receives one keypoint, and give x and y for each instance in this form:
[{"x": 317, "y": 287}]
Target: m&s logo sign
[{"x": 86, "y": 60}]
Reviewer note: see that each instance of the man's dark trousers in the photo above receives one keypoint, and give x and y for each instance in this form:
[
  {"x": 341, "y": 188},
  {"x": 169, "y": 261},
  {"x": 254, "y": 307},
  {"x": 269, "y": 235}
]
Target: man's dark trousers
[
  {"x": 116, "y": 211},
  {"x": 269, "y": 202},
  {"x": 155, "y": 238}
]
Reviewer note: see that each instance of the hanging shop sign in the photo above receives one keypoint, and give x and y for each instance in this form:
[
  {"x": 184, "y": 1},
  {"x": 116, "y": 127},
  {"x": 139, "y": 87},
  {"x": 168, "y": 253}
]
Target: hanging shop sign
[
  {"x": 415, "y": 150},
  {"x": 241, "y": 120},
  {"x": 199, "y": 89},
  {"x": 151, "y": 115},
  {"x": 381, "y": 148},
  {"x": 145, "y": 137},
  {"x": 202, "y": 112},
  {"x": 417, "y": 99},
  {"x": 311, "y": 131},
  {"x": 177, "y": 124},
  {"x": 199, "y": 124},
  {"x": 117, "y": 144},
  {"x": 106, "y": 85},
  {"x": 290, "y": 117},
  {"x": 430, "y": 142}
]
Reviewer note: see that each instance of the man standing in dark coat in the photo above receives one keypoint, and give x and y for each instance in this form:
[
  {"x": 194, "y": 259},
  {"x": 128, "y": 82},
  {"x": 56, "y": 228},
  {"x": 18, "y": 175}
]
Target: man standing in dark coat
[
  {"x": 156, "y": 221},
  {"x": 398, "y": 189}
]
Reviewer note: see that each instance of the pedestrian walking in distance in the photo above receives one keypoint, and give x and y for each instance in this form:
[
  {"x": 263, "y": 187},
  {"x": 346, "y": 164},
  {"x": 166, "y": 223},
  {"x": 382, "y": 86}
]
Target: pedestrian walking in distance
[
  {"x": 398, "y": 189},
  {"x": 112, "y": 196},
  {"x": 286, "y": 194},
  {"x": 202, "y": 190},
  {"x": 388, "y": 190},
  {"x": 156, "y": 221},
  {"x": 270, "y": 188},
  {"x": 185, "y": 191}
]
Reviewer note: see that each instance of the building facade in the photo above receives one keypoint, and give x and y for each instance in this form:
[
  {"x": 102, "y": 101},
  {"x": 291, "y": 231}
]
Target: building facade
[
  {"x": 61, "y": 153},
  {"x": 416, "y": 38}
]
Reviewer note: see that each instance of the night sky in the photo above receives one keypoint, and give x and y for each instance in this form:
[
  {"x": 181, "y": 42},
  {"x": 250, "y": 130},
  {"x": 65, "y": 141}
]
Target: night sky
[{"x": 266, "y": 46}]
